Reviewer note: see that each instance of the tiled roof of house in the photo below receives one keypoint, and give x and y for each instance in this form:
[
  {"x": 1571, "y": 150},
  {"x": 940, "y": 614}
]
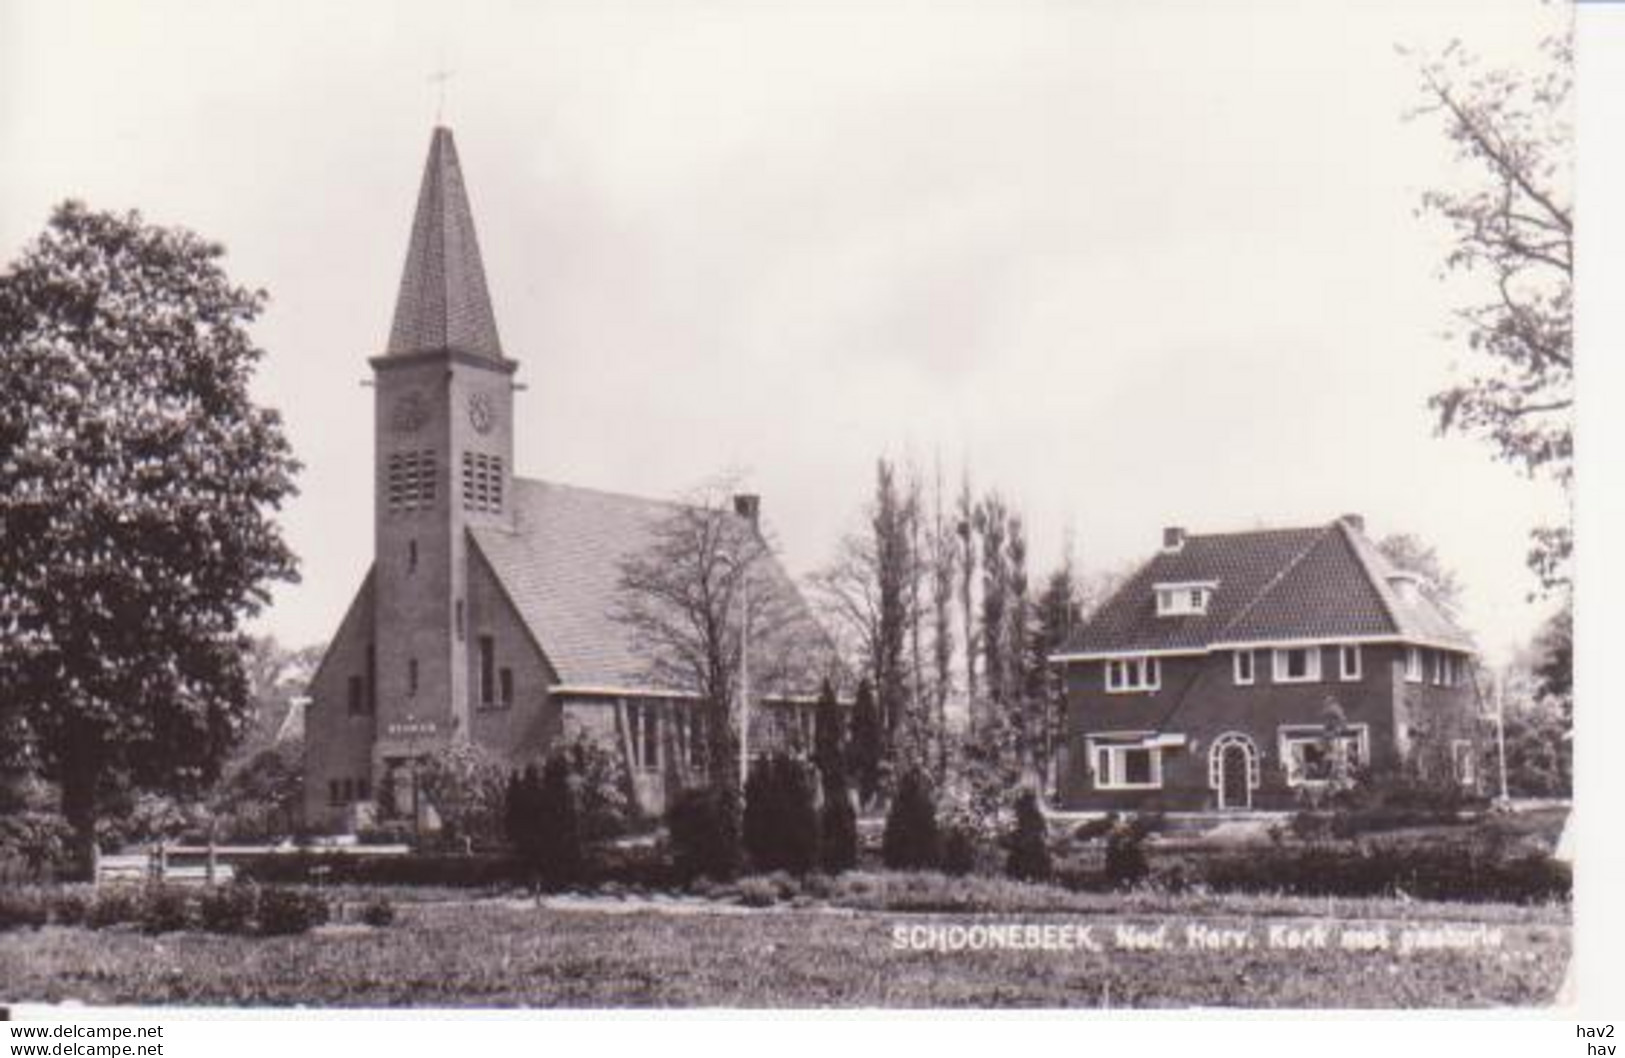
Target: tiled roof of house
[
  {"x": 1326, "y": 582},
  {"x": 561, "y": 566},
  {"x": 443, "y": 302}
]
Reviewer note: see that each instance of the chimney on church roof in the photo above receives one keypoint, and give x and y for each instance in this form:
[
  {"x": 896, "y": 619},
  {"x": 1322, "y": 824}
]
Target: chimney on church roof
[{"x": 443, "y": 303}]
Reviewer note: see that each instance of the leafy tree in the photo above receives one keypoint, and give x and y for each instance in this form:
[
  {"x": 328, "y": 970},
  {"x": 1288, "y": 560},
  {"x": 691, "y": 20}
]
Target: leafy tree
[
  {"x": 1554, "y": 661},
  {"x": 1513, "y": 229},
  {"x": 1029, "y": 858},
  {"x": 138, "y": 482},
  {"x": 603, "y": 787},
  {"x": 263, "y": 799},
  {"x": 867, "y": 748},
  {"x": 464, "y": 784},
  {"x": 911, "y": 841}
]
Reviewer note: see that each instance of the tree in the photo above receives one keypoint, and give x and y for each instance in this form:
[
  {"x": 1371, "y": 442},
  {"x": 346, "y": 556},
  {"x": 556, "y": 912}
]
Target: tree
[
  {"x": 781, "y": 826},
  {"x": 911, "y": 841},
  {"x": 138, "y": 483},
  {"x": 829, "y": 740},
  {"x": 1029, "y": 859},
  {"x": 1513, "y": 231},
  {"x": 942, "y": 563},
  {"x": 557, "y": 822},
  {"x": 837, "y": 827},
  {"x": 682, "y": 596},
  {"x": 1409, "y": 553},
  {"x": 464, "y": 784},
  {"x": 867, "y": 746},
  {"x": 965, "y": 529}
]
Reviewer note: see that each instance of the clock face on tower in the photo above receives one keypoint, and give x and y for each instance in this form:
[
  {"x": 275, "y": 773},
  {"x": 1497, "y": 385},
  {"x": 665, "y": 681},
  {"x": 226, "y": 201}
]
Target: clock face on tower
[
  {"x": 482, "y": 412},
  {"x": 410, "y": 413}
]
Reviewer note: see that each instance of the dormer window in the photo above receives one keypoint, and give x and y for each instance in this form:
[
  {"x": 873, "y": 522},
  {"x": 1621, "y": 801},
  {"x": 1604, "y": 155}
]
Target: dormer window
[{"x": 1184, "y": 598}]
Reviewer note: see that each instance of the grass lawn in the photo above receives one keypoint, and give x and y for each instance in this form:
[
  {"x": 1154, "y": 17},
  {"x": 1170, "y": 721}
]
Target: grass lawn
[{"x": 506, "y": 953}]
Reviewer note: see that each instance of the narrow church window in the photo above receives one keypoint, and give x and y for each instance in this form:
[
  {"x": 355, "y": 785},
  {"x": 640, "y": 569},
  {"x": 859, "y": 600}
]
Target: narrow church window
[
  {"x": 335, "y": 794},
  {"x": 459, "y": 620},
  {"x": 488, "y": 654},
  {"x": 412, "y": 676},
  {"x": 507, "y": 686},
  {"x": 372, "y": 680},
  {"x": 358, "y": 699},
  {"x": 411, "y": 556},
  {"x": 363, "y": 789}
]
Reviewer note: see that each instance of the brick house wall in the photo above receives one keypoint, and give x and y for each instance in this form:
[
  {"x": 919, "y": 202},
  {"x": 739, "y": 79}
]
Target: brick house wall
[{"x": 1200, "y": 699}]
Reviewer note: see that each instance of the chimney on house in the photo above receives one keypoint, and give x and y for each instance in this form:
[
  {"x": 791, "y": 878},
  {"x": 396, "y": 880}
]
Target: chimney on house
[
  {"x": 1354, "y": 521},
  {"x": 1173, "y": 538},
  {"x": 748, "y": 506}
]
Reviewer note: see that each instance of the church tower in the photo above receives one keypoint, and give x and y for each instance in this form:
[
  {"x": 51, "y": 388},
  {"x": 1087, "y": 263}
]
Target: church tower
[{"x": 443, "y": 422}]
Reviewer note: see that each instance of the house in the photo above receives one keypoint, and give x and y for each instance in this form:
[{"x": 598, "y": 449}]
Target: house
[
  {"x": 1237, "y": 671},
  {"x": 489, "y": 614}
]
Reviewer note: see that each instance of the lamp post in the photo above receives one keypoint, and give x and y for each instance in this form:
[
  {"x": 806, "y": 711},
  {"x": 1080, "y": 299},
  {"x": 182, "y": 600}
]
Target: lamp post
[{"x": 1501, "y": 733}]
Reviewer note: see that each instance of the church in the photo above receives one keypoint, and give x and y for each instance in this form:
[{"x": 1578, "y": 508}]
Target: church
[{"x": 490, "y": 613}]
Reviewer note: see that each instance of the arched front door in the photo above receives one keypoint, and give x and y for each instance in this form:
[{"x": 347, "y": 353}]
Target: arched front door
[{"x": 1233, "y": 770}]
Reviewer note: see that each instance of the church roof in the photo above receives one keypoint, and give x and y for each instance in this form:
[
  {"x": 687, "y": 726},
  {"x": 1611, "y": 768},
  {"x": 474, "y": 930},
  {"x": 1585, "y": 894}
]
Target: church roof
[
  {"x": 443, "y": 302},
  {"x": 561, "y": 567},
  {"x": 1325, "y": 582}
]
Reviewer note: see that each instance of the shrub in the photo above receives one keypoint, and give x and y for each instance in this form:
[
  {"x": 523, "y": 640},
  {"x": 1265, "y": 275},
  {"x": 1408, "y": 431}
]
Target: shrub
[
  {"x": 69, "y": 908},
  {"x": 288, "y": 911},
  {"x": 781, "y": 824},
  {"x": 1029, "y": 859},
  {"x": 1468, "y": 871},
  {"x": 911, "y": 840},
  {"x": 838, "y": 828},
  {"x": 456, "y": 871},
  {"x": 556, "y": 846},
  {"x": 228, "y": 908},
  {"x": 378, "y": 912},
  {"x": 704, "y": 829},
  {"x": 1126, "y": 864},
  {"x": 960, "y": 854},
  {"x": 113, "y": 906},
  {"x": 1095, "y": 829},
  {"x": 165, "y": 909},
  {"x": 22, "y": 908}
]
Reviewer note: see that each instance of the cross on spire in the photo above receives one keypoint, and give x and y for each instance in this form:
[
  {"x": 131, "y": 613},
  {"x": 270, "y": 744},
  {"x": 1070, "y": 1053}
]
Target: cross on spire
[{"x": 439, "y": 78}]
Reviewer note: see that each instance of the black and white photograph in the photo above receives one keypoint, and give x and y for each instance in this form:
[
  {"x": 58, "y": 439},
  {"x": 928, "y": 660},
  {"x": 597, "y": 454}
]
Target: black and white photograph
[{"x": 794, "y": 507}]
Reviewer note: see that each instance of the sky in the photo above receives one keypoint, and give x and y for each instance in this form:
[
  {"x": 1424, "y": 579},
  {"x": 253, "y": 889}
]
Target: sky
[{"x": 1132, "y": 265}]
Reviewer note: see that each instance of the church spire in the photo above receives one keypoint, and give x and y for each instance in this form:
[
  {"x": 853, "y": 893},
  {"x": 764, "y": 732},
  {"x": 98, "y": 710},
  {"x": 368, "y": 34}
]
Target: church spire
[{"x": 443, "y": 302}]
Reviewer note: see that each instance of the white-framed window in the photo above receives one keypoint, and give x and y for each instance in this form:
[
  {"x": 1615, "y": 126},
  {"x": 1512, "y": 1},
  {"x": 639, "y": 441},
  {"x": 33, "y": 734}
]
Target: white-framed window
[
  {"x": 1310, "y": 757},
  {"x": 1129, "y": 675},
  {"x": 1436, "y": 661},
  {"x": 1464, "y": 761},
  {"x": 1297, "y": 664},
  {"x": 1245, "y": 664},
  {"x": 1178, "y": 599},
  {"x": 1413, "y": 664},
  {"x": 1126, "y": 765},
  {"x": 1349, "y": 662}
]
